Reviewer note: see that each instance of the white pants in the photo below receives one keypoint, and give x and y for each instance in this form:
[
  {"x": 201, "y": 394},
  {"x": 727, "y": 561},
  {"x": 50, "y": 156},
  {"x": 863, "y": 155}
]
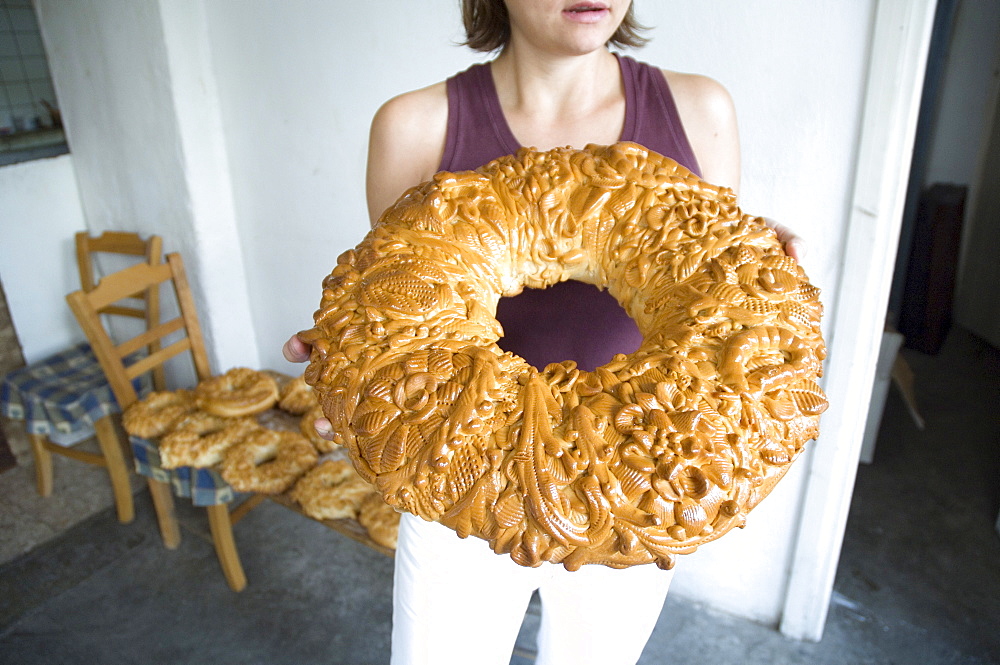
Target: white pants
[{"x": 455, "y": 602}]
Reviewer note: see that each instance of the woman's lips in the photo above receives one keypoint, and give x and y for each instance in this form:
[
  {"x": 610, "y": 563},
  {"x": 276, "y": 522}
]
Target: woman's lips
[{"x": 586, "y": 12}]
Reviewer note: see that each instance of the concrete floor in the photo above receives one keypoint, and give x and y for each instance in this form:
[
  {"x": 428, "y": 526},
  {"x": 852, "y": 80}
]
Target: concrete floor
[{"x": 918, "y": 583}]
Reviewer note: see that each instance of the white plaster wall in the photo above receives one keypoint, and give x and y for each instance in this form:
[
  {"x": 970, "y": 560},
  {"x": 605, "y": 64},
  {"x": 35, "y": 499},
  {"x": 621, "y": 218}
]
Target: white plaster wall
[
  {"x": 296, "y": 108},
  {"x": 40, "y": 215},
  {"x": 138, "y": 102},
  {"x": 215, "y": 237},
  {"x": 109, "y": 66}
]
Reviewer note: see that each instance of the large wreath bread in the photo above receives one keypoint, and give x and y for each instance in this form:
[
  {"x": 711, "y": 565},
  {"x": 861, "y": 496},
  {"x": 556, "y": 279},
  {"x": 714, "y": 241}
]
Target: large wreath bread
[{"x": 651, "y": 455}]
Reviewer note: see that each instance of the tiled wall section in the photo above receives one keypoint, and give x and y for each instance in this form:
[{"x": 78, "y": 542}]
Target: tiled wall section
[{"x": 24, "y": 73}]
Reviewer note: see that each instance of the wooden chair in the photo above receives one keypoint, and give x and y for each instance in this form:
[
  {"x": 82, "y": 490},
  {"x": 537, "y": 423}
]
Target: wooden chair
[
  {"x": 117, "y": 242},
  {"x": 67, "y": 392},
  {"x": 120, "y": 243},
  {"x": 179, "y": 336}
]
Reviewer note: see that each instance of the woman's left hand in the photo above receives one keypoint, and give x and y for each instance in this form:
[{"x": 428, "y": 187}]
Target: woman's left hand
[{"x": 794, "y": 245}]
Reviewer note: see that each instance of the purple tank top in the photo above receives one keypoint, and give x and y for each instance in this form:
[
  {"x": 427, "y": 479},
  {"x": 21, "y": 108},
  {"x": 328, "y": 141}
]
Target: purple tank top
[{"x": 570, "y": 320}]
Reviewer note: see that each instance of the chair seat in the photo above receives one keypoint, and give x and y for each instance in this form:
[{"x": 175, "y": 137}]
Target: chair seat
[
  {"x": 65, "y": 393},
  {"x": 205, "y": 487}
]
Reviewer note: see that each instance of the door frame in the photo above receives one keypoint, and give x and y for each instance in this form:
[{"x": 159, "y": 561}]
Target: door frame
[{"x": 899, "y": 47}]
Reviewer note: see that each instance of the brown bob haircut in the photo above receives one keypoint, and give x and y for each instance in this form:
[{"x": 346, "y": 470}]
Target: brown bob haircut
[{"x": 487, "y": 26}]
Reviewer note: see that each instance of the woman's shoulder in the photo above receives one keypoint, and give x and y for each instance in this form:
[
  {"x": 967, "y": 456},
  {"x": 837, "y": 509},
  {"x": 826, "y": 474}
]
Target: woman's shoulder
[
  {"x": 708, "y": 115},
  {"x": 699, "y": 94},
  {"x": 415, "y": 111},
  {"x": 406, "y": 143}
]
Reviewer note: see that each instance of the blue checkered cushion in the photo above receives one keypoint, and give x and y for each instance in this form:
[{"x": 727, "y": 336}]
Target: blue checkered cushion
[
  {"x": 205, "y": 487},
  {"x": 67, "y": 392}
]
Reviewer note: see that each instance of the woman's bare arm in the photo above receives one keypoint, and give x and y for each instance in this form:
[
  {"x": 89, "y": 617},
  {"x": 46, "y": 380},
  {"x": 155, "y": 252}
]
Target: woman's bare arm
[
  {"x": 405, "y": 145},
  {"x": 709, "y": 118},
  {"x": 706, "y": 110},
  {"x": 404, "y": 149}
]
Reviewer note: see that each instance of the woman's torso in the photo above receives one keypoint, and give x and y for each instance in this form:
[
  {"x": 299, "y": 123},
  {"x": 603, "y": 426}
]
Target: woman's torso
[{"x": 570, "y": 320}]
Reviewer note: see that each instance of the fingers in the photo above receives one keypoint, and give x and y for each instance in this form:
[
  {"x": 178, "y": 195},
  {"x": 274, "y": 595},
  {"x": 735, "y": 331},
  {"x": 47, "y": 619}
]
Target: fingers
[
  {"x": 794, "y": 246},
  {"x": 324, "y": 428},
  {"x": 295, "y": 350}
]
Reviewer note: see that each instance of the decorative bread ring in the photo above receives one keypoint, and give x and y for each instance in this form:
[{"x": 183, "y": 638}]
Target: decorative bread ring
[
  {"x": 649, "y": 456},
  {"x": 297, "y": 397},
  {"x": 267, "y": 461},
  {"x": 332, "y": 490},
  {"x": 380, "y": 520},
  {"x": 239, "y": 392},
  {"x": 157, "y": 413},
  {"x": 201, "y": 440},
  {"x": 307, "y": 426}
]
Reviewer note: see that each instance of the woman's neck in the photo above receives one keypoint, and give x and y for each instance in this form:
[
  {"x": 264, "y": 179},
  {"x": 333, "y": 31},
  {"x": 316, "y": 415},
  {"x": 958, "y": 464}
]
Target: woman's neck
[
  {"x": 552, "y": 101},
  {"x": 525, "y": 76}
]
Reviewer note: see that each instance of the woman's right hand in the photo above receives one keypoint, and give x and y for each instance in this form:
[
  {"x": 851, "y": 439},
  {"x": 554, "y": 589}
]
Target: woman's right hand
[{"x": 297, "y": 351}]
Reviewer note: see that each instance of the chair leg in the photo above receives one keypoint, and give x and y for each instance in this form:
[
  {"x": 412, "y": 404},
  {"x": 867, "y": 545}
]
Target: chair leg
[
  {"x": 225, "y": 546},
  {"x": 114, "y": 458},
  {"x": 43, "y": 463},
  {"x": 163, "y": 503}
]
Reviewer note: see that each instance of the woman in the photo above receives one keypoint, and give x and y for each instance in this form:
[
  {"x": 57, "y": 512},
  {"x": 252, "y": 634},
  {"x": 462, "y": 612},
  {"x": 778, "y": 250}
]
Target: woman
[{"x": 554, "y": 83}]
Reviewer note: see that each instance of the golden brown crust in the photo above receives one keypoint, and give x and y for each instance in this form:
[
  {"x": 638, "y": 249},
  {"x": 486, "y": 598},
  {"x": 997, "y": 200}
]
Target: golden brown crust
[
  {"x": 201, "y": 439},
  {"x": 380, "y": 520},
  {"x": 158, "y": 413},
  {"x": 239, "y": 392},
  {"x": 649, "y": 456},
  {"x": 332, "y": 490},
  {"x": 267, "y": 461},
  {"x": 297, "y": 397},
  {"x": 307, "y": 426}
]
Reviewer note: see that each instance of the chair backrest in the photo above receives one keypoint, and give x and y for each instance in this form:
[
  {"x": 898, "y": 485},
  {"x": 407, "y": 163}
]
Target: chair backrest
[
  {"x": 124, "y": 243},
  {"x": 146, "y": 306},
  {"x": 168, "y": 339}
]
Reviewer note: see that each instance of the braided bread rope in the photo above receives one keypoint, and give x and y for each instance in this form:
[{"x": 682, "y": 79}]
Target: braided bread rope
[{"x": 649, "y": 456}]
